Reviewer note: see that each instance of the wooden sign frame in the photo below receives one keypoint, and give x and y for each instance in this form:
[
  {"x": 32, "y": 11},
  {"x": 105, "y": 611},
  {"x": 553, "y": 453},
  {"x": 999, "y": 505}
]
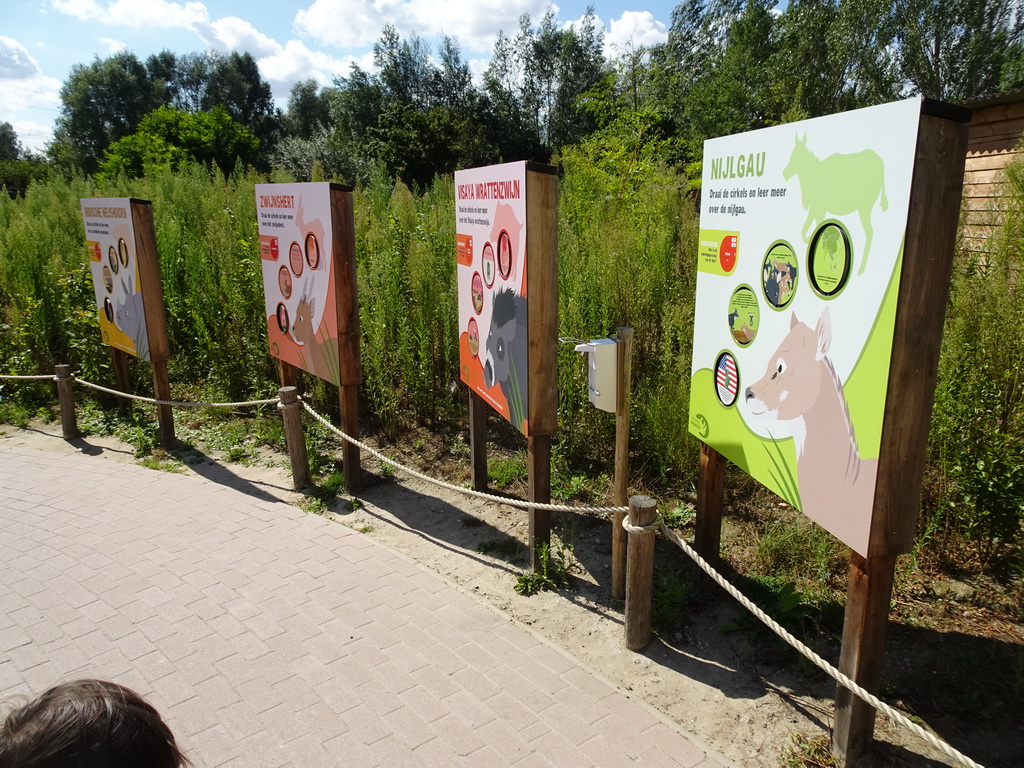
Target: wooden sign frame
[
  {"x": 336, "y": 201},
  {"x": 541, "y": 283},
  {"x": 150, "y": 288},
  {"x": 930, "y": 239}
]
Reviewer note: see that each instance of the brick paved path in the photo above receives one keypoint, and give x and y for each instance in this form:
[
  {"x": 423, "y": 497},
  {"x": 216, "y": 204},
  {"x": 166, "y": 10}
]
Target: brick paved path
[{"x": 268, "y": 637}]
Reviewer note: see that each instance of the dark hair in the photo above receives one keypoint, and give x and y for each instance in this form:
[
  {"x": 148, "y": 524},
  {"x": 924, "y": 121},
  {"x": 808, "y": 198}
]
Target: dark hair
[{"x": 88, "y": 724}]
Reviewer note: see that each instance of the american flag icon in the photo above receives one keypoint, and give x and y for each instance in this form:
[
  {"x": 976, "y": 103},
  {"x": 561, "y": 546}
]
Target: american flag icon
[{"x": 727, "y": 380}]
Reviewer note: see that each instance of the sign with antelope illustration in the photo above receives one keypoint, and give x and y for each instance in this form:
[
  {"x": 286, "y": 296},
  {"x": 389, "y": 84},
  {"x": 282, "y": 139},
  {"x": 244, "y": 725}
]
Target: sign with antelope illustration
[
  {"x": 114, "y": 264},
  {"x": 299, "y": 280},
  {"x": 506, "y": 293},
  {"x": 802, "y": 235}
]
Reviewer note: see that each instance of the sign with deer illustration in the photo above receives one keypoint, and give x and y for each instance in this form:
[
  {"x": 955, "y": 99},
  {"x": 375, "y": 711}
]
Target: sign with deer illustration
[
  {"x": 299, "y": 280},
  {"x": 114, "y": 264},
  {"x": 802, "y": 230},
  {"x": 496, "y": 282}
]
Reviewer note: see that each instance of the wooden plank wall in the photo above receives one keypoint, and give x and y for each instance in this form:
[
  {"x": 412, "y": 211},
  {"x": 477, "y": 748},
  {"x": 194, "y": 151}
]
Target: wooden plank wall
[{"x": 992, "y": 142}]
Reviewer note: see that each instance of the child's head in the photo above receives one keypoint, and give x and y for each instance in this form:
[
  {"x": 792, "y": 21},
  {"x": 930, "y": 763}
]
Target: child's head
[{"x": 87, "y": 724}]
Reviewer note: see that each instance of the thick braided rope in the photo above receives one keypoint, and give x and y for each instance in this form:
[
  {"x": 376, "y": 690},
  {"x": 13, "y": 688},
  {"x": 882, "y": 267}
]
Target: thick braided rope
[
  {"x": 50, "y": 376},
  {"x": 814, "y": 658},
  {"x": 180, "y": 404},
  {"x": 441, "y": 483}
]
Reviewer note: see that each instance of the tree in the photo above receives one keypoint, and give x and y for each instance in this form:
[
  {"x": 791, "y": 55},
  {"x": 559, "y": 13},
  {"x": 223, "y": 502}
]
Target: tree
[
  {"x": 169, "y": 137},
  {"x": 309, "y": 110},
  {"x": 101, "y": 103},
  {"x": 954, "y": 49},
  {"x": 236, "y": 85},
  {"x": 10, "y": 147}
]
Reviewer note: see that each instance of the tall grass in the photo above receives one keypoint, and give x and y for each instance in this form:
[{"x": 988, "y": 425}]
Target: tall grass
[
  {"x": 627, "y": 234},
  {"x": 974, "y": 510}
]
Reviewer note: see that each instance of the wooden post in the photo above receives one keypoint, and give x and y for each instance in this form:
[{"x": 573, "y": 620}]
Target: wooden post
[
  {"x": 542, "y": 345},
  {"x": 863, "y": 650},
  {"x": 623, "y": 358},
  {"x": 538, "y": 449},
  {"x": 288, "y": 375},
  {"x": 295, "y": 439},
  {"x": 478, "y": 440},
  {"x": 151, "y": 285},
  {"x": 917, "y": 337},
  {"x": 119, "y": 361},
  {"x": 66, "y": 396},
  {"x": 707, "y": 538},
  {"x": 640, "y": 577},
  {"x": 164, "y": 414},
  {"x": 349, "y": 360},
  {"x": 350, "y": 426}
]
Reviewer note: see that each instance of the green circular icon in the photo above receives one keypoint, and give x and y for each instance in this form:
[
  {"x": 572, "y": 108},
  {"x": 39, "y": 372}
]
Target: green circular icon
[
  {"x": 744, "y": 315},
  {"x": 779, "y": 274},
  {"x": 829, "y": 259}
]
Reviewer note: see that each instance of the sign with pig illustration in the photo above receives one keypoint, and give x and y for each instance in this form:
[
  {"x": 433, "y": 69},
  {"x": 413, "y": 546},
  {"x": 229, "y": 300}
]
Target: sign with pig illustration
[
  {"x": 492, "y": 281},
  {"x": 114, "y": 264},
  {"x": 802, "y": 231},
  {"x": 299, "y": 283}
]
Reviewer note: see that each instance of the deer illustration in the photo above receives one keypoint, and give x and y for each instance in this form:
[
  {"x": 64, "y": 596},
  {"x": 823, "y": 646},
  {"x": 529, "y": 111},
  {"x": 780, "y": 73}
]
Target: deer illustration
[
  {"x": 317, "y": 350},
  {"x": 801, "y": 387},
  {"x": 838, "y": 185}
]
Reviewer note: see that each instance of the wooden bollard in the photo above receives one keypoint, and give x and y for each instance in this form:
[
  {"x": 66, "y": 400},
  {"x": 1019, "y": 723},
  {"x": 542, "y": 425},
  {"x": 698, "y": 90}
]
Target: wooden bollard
[
  {"x": 640, "y": 572},
  {"x": 66, "y": 395},
  {"x": 295, "y": 440}
]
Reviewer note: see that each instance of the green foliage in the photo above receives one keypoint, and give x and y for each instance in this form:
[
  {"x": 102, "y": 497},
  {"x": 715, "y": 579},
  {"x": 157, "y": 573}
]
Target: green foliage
[
  {"x": 505, "y": 471},
  {"x": 550, "y": 574},
  {"x": 169, "y": 138},
  {"x": 977, "y": 440}
]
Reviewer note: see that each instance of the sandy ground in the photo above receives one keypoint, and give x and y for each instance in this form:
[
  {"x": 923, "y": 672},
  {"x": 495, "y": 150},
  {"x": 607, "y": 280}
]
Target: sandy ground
[{"x": 743, "y": 693}]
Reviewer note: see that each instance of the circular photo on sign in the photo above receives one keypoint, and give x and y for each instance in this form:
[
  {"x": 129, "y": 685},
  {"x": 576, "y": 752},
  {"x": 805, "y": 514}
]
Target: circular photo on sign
[
  {"x": 829, "y": 259},
  {"x": 284, "y": 282},
  {"x": 282, "y": 318},
  {"x": 727, "y": 379},
  {"x": 112, "y": 260},
  {"x": 487, "y": 264},
  {"x": 779, "y": 275},
  {"x": 295, "y": 258},
  {"x": 744, "y": 315},
  {"x": 504, "y": 255},
  {"x": 108, "y": 279},
  {"x": 122, "y": 251},
  {"x": 477, "y": 287},
  {"x": 312, "y": 251},
  {"x": 108, "y": 310},
  {"x": 473, "y": 335},
  {"x": 727, "y": 252}
]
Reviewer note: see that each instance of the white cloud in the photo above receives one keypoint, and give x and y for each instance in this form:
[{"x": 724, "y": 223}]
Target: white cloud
[
  {"x": 113, "y": 46},
  {"x": 138, "y": 14},
  {"x": 632, "y": 31},
  {"x": 27, "y": 97},
  {"x": 296, "y": 62},
  {"x": 359, "y": 22},
  {"x": 234, "y": 34},
  {"x": 16, "y": 63}
]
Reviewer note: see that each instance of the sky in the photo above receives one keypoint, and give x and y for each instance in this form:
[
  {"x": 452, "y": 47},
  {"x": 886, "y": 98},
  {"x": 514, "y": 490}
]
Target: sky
[{"x": 292, "y": 40}]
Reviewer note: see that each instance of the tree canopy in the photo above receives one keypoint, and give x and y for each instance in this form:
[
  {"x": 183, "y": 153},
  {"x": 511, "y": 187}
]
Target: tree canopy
[{"x": 726, "y": 66}]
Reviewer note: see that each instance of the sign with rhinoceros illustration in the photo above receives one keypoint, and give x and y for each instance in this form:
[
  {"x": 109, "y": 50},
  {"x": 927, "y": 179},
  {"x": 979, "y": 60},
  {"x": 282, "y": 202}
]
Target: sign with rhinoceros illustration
[
  {"x": 492, "y": 281},
  {"x": 802, "y": 232},
  {"x": 296, "y": 247},
  {"x": 114, "y": 264}
]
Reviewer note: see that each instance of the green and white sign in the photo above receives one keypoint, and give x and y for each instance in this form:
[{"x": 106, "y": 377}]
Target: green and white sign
[{"x": 801, "y": 241}]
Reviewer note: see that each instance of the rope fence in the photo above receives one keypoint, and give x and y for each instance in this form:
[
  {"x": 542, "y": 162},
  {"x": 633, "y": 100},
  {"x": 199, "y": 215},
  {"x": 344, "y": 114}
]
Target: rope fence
[{"x": 657, "y": 525}]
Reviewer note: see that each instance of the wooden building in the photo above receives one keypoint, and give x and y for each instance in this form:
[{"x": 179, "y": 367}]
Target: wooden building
[{"x": 993, "y": 140}]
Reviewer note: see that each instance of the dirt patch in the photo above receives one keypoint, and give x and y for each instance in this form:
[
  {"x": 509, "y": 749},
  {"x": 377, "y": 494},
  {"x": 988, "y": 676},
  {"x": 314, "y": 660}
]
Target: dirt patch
[{"x": 731, "y": 684}]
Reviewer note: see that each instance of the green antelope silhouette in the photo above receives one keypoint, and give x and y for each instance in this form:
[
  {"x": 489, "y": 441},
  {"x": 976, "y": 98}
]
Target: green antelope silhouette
[{"x": 838, "y": 185}]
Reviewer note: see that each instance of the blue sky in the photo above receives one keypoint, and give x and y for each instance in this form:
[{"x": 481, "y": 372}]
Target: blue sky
[{"x": 292, "y": 40}]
